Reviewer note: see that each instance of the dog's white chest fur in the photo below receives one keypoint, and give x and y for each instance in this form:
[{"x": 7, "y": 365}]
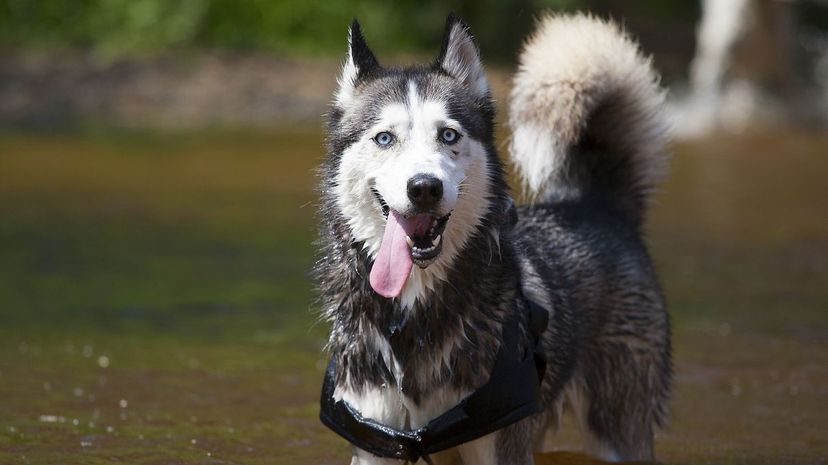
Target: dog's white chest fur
[{"x": 388, "y": 405}]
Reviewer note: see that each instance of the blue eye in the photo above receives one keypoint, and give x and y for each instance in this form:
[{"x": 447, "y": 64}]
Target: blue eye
[
  {"x": 384, "y": 139},
  {"x": 449, "y": 136}
]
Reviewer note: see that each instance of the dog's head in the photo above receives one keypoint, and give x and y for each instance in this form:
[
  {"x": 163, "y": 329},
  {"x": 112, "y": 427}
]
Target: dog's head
[{"x": 411, "y": 153}]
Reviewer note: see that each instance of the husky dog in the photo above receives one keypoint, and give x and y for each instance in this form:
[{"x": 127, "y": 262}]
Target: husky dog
[{"x": 422, "y": 257}]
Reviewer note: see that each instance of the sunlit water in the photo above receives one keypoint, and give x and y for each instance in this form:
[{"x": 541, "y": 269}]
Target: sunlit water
[{"x": 155, "y": 305}]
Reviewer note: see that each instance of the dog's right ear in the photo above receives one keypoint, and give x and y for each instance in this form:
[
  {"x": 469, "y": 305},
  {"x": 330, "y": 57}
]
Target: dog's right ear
[{"x": 359, "y": 64}]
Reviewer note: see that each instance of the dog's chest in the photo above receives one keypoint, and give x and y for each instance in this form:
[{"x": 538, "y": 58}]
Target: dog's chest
[
  {"x": 391, "y": 402},
  {"x": 387, "y": 404},
  {"x": 427, "y": 381}
]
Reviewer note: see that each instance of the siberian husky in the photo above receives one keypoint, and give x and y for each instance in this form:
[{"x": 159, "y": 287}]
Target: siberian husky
[{"x": 423, "y": 254}]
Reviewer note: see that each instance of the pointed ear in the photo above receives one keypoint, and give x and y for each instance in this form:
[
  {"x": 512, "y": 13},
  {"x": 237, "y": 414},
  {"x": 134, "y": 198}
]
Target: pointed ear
[
  {"x": 460, "y": 57},
  {"x": 359, "y": 64}
]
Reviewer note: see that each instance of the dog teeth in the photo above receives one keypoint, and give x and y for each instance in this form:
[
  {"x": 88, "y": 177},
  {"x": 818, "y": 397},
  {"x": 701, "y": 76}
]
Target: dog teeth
[
  {"x": 409, "y": 241},
  {"x": 420, "y": 250}
]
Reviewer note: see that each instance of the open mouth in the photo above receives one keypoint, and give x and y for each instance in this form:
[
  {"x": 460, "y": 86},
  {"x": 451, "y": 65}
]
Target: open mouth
[
  {"x": 423, "y": 233},
  {"x": 426, "y": 242}
]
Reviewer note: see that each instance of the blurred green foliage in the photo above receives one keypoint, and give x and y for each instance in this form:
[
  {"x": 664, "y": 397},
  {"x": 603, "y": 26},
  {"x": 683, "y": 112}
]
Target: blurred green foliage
[{"x": 118, "y": 27}]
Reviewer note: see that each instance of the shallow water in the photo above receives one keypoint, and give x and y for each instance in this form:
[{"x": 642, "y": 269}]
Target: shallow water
[{"x": 155, "y": 305}]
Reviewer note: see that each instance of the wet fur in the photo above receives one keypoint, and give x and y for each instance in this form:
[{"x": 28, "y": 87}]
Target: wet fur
[{"x": 577, "y": 251}]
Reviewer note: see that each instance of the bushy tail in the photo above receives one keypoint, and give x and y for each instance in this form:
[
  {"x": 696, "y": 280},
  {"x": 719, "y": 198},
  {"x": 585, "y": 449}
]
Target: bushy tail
[{"x": 586, "y": 114}]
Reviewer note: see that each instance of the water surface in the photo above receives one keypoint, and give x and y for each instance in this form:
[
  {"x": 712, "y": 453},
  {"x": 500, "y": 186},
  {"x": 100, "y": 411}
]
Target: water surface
[{"x": 155, "y": 305}]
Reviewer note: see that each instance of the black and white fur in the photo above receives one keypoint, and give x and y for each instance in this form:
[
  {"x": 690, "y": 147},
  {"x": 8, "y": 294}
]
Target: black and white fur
[{"x": 588, "y": 139}]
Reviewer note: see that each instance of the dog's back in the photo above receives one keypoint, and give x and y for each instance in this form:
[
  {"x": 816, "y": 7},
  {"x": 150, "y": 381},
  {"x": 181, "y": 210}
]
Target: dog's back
[{"x": 588, "y": 141}]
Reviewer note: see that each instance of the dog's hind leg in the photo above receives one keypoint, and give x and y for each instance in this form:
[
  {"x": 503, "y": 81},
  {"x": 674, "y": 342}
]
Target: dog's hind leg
[{"x": 620, "y": 396}]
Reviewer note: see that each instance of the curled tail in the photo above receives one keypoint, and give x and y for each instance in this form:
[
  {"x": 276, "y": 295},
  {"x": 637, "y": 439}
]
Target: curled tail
[{"x": 586, "y": 114}]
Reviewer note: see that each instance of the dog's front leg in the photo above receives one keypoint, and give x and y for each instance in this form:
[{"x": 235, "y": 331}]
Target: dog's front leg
[
  {"x": 481, "y": 451},
  {"x": 361, "y": 457},
  {"x": 510, "y": 446}
]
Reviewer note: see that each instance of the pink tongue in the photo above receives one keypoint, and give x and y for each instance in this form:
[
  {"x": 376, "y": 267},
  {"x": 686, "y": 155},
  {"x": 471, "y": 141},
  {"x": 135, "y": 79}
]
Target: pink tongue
[{"x": 393, "y": 263}]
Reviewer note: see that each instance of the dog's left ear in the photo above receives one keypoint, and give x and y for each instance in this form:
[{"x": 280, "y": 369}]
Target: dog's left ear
[{"x": 460, "y": 57}]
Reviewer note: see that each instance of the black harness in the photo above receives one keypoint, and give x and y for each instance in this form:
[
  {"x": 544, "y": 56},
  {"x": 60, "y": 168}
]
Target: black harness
[{"x": 511, "y": 394}]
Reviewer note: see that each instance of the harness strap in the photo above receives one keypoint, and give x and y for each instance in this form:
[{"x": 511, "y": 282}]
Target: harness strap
[{"x": 511, "y": 394}]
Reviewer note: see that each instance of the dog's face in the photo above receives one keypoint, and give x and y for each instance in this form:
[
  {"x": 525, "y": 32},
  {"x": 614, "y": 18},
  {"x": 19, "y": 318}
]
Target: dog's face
[{"x": 413, "y": 172}]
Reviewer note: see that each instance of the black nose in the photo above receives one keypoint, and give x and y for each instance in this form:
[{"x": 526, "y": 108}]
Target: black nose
[{"x": 425, "y": 191}]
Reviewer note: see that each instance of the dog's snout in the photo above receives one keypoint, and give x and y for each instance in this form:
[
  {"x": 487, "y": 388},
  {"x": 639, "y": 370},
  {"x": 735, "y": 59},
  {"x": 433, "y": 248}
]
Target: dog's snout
[{"x": 425, "y": 191}]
